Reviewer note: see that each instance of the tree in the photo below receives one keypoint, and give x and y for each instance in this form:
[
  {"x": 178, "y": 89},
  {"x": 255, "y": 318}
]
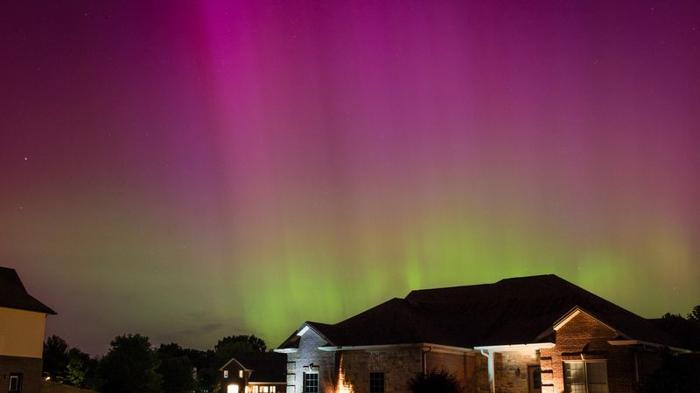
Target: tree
[
  {"x": 695, "y": 314},
  {"x": 231, "y": 346},
  {"x": 81, "y": 369},
  {"x": 130, "y": 366},
  {"x": 175, "y": 368},
  {"x": 677, "y": 374},
  {"x": 55, "y": 357},
  {"x": 434, "y": 382}
]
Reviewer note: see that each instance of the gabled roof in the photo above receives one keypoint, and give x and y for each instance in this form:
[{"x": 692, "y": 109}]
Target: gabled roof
[
  {"x": 511, "y": 311},
  {"x": 14, "y": 295},
  {"x": 264, "y": 366}
]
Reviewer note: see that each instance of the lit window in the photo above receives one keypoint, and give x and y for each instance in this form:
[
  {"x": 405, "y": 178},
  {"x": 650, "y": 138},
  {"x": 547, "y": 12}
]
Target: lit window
[
  {"x": 376, "y": 382},
  {"x": 273, "y": 389},
  {"x": 232, "y": 388},
  {"x": 310, "y": 383},
  {"x": 255, "y": 389},
  {"x": 240, "y": 373},
  {"x": 15, "y": 383},
  {"x": 264, "y": 389},
  {"x": 586, "y": 376},
  {"x": 225, "y": 374}
]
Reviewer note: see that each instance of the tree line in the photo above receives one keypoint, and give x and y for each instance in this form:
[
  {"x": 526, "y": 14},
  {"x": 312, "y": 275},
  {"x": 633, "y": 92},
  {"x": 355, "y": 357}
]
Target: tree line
[{"x": 132, "y": 364}]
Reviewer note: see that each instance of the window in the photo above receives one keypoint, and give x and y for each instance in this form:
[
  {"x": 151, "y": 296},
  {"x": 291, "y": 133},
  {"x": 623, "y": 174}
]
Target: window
[
  {"x": 376, "y": 382},
  {"x": 232, "y": 388},
  {"x": 240, "y": 373},
  {"x": 264, "y": 389},
  {"x": 15, "y": 383},
  {"x": 586, "y": 376},
  {"x": 310, "y": 383},
  {"x": 273, "y": 389}
]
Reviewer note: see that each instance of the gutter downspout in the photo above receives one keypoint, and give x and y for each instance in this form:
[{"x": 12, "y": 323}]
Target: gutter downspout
[
  {"x": 491, "y": 369},
  {"x": 424, "y": 363}
]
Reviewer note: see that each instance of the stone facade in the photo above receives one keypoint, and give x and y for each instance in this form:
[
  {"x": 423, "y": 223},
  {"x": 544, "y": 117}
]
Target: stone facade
[
  {"x": 470, "y": 368},
  {"x": 399, "y": 365},
  {"x": 350, "y": 370},
  {"x": 511, "y": 370},
  {"x": 586, "y": 338},
  {"x": 29, "y": 368},
  {"x": 583, "y": 337},
  {"x": 309, "y": 358}
]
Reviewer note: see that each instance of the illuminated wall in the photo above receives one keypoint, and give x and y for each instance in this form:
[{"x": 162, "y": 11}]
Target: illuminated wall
[{"x": 21, "y": 333}]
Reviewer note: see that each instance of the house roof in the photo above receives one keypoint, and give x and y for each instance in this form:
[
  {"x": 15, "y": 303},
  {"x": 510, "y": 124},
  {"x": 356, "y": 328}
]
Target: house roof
[
  {"x": 14, "y": 295},
  {"x": 265, "y": 366},
  {"x": 511, "y": 311}
]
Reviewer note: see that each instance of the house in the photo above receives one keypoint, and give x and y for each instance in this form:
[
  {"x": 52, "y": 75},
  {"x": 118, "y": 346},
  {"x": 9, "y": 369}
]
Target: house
[
  {"x": 22, "y": 325},
  {"x": 264, "y": 372},
  {"x": 525, "y": 335}
]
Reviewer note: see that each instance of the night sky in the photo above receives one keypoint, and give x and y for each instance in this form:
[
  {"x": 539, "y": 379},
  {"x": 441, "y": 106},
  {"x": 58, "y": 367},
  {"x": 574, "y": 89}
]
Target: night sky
[{"x": 189, "y": 171}]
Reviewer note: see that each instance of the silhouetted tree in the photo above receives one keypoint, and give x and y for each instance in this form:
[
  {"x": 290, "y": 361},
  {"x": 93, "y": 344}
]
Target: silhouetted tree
[
  {"x": 695, "y": 314},
  {"x": 130, "y": 367},
  {"x": 230, "y": 346},
  {"x": 55, "y": 357},
  {"x": 207, "y": 368},
  {"x": 677, "y": 374},
  {"x": 434, "y": 382},
  {"x": 81, "y": 369},
  {"x": 175, "y": 368}
]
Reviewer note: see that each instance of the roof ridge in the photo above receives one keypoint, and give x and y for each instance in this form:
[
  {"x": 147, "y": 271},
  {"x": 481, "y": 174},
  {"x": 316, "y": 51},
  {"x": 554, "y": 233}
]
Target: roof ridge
[{"x": 503, "y": 280}]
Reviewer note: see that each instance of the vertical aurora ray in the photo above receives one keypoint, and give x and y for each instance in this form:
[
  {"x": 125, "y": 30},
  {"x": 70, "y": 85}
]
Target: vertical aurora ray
[{"x": 243, "y": 166}]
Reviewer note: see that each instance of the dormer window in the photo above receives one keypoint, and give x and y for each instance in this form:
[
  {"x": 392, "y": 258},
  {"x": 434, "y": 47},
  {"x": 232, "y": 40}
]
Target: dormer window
[{"x": 225, "y": 374}]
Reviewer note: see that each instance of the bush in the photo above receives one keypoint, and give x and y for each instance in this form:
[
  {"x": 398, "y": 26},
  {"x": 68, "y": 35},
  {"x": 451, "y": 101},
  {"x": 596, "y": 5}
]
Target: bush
[{"x": 435, "y": 382}]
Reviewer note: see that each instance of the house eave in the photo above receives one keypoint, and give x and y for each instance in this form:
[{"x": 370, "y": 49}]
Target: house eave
[
  {"x": 648, "y": 344},
  {"x": 515, "y": 347},
  {"x": 425, "y": 346},
  {"x": 285, "y": 350}
]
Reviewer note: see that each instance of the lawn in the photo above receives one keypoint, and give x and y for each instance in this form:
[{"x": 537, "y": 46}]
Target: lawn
[{"x": 51, "y": 387}]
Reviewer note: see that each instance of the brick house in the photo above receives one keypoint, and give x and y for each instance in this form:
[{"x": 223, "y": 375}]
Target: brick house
[
  {"x": 254, "y": 373},
  {"x": 526, "y": 335},
  {"x": 22, "y": 325}
]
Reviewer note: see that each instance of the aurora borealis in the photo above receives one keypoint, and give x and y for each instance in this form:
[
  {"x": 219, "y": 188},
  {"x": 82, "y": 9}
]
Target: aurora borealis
[{"x": 192, "y": 170}]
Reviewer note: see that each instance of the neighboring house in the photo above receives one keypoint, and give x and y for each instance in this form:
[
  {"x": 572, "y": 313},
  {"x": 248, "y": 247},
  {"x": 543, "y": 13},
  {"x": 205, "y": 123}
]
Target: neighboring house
[
  {"x": 22, "y": 324},
  {"x": 264, "y": 372},
  {"x": 526, "y": 335}
]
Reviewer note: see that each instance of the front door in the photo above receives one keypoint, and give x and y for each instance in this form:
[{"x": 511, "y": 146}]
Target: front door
[{"x": 534, "y": 379}]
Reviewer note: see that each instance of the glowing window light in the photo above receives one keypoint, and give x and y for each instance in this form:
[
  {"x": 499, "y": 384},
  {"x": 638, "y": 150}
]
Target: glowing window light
[{"x": 232, "y": 388}]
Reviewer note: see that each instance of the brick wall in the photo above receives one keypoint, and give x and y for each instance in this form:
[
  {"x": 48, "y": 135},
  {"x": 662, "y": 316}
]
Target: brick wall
[
  {"x": 586, "y": 335},
  {"x": 30, "y": 368},
  {"x": 511, "y": 369},
  {"x": 308, "y": 355},
  {"x": 399, "y": 365},
  {"x": 470, "y": 369}
]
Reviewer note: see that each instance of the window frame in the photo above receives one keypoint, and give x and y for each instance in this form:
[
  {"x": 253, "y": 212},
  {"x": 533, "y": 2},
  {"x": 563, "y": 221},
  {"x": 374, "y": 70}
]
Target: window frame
[
  {"x": 586, "y": 383},
  {"x": 16, "y": 377},
  {"x": 305, "y": 385},
  {"x": 373, "y": 383}
]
